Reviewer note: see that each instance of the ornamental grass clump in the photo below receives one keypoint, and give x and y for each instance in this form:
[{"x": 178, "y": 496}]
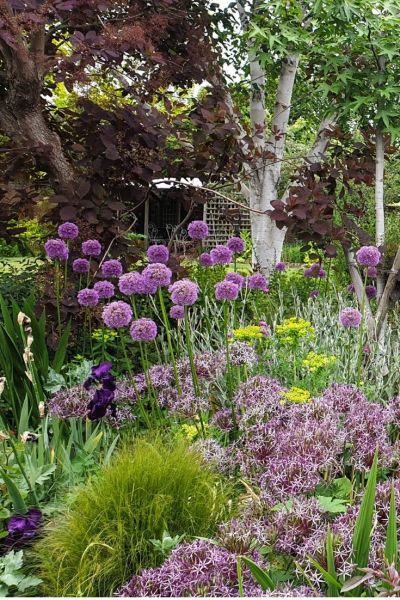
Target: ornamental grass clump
[{"x": 105, "y": 535}]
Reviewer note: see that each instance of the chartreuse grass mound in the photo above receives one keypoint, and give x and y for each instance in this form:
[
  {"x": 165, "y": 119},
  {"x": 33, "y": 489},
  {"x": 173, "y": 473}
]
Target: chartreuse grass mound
[{"x": 104, "y": 536}]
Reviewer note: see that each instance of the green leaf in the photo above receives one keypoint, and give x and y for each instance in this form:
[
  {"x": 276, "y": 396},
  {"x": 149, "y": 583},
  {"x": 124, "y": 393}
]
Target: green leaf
[
  {"x": 60, "y": 354},
  {"x": 332, "y": 505},
  {"x": 15, "y": 494},
  {"x": 259, "y": 574},
  {"x": 330, "y": 559},
  {"x": 342, "y": 488},
  {"x": 363, "y": 527},
  {"x": 391, "y": 544},
  {"x": 329, "y": 579}
]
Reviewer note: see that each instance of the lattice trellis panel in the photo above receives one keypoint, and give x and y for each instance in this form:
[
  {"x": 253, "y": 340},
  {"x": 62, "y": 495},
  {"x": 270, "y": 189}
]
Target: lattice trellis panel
[{"x": 224, "y": 219}]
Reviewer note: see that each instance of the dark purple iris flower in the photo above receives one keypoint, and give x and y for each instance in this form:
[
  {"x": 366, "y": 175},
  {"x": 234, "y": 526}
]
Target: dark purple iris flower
[
  {"x": 22, "y": 528},
  {"x": 103, "y": 397}
]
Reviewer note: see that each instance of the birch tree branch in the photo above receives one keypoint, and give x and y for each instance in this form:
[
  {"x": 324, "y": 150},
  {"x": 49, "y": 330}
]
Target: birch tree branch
[{"x": 383, "y": 305}]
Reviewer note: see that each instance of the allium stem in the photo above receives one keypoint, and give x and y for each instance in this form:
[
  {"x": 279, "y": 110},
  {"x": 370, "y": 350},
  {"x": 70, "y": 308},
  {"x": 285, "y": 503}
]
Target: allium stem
[
  {"x": 128, "y": 362},
  {"x": 57, "y": 290},
  {"x": 192, "y": 364},
  {"x": 66, "y": 270},
  {"x": 361, "y": 339},
  {"x": 169, "y": 339},
  {"x": 240, "y": 576},
  {"x": 228, "y": 363}
]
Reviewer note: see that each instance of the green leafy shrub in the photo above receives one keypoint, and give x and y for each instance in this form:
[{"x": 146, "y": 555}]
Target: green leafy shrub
[{"x": 107, "y": 534}]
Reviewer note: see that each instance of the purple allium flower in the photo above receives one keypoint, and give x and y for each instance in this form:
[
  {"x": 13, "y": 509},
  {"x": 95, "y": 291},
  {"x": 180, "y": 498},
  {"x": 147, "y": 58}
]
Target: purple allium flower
[
  {"x": 225, "y": 290},
  {"x": 222, "y": 419},
  {"x": 241, "y": 353},
  {"x": 158, "y": 253},
  {"x": 143, "y": 330},
  {"x": 208, "y": 365},
  {"x": 214, "y": 455},
  {"x": 257, "y": 282},
  {"x": 198, "y": 230},
  {"x": 111, "y": 268},
  {"x": 308, "y": 272},
  {"x": 372, "y": 272},
  {"x": 236, "y": 245},
  {"x": 68, "y": 231},
  {"x": 88, "y": 297},
  {"x": 91, "y": 248},
  {"x": 132, "y": 283},
  {"x": 197, "y": 568},
  {"x": 371, "y": 291},
  {"x": 105, "y": 289},
  {"x": 257, "y": 400},
  {"x": 81, "y": 265},
  {"x": 350, "y": 317},
  {"x": 322, "y": 273},
  {"x": 22, "y": 528},
  {"x": 157, "y": 275},
  {"x": 351, "y": 288},
  {"x": 177, "y": 312},
  {"x": 368, "y": 256},
  {"x": 206, "y": 259},
  {"x": 294, "y": 524},
  {"x": 56, "y": 249},
  {"x": 117, "y": 314},
  {"x": 186, "y": 405},
  {"x": 69, "y": 403},
  {"x": 280, "y": 267},
  {"x": 313, "y": 294},
  {"x": 161, "y": 376},
  {"x": 184, "y": 292},
  {"x": 235, "y": 278},
  {"x": 221, "y": 255}
]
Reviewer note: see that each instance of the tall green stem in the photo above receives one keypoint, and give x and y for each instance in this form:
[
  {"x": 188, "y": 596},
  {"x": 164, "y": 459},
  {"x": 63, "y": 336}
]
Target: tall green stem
[
  {"x": 192, "y": 364},
  {"x": 361, "y": 342},
  {"x": 58, "y": 296},
  {"x": 169, "y": 339},
  {"x": 228, "y": 365}
]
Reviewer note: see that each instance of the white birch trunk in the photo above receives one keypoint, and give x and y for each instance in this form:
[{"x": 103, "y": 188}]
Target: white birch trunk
[{"x": 379, "y": 197}]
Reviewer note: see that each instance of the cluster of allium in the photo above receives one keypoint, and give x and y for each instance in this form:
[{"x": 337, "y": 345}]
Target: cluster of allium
[
  {"x": 81, "y": 265},
  {"x": 125, "y": 391},
  {"x": 241, "y": 354},
  {"x": 289, "y": 590},
  {"x": 198, "y": 568},
  {"x": 218, "y": 457},
  {"x": 91, "y": 248},
  {"x": 208, "y": 365},
  {"x": 258, "y": 400},
  {"x": 206, "y": 260}
]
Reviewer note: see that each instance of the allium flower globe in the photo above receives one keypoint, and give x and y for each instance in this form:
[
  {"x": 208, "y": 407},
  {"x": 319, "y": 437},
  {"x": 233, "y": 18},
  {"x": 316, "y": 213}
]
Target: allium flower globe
[
  {"x": 280, "y": 267},
  {"x": 226, "y": 290},
  {"x": 68, "y": 231},
  {"x": 368, "y": 256},
  {"x": 221, "y": 255},
  {"x": 91, "y": 248},
  {"x": 157, "y": 275},
  {"x": 56, "y": 249},
  {"x": 372, "y": 272},
  {"x": 322, "y": 273},
  {"x": 314, "y": 294},
  {"x": 88, "y": 297},
  {"x": 206, "y": 260},
  {"x": 235, "y": 278},
  {"x": 257, "y": 282},
  {"x": 350, "y": 317},
  {"x": 177, "y": 312},
  {"x": 236, "y": 245},
  {"x": 198, "y": 230},
  {"x": 184, "y": 292},
  {"x": 158, "y": 253},
  {"x": 81, "y": 265},
  {"x": 371, "y": 291},
  {"x": 117, "y": 314},
  {"x": 143, "y": 330},
  {"x": 105, "y": 289},
  {"x": 132, "y": 283},
  {"x": 111, "y": 268}
]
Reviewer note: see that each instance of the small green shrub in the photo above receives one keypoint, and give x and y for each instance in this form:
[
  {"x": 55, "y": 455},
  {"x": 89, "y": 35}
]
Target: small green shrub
[{"x": 106, "y": 535}]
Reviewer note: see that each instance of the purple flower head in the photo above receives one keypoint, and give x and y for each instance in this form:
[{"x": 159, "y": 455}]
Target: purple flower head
[
  {"x": 235, "y": 278},
  {"x": 91, "y": 248},
  {"x": 308, "y": 272},
  {"x": 22, "y": 528},
  {"x": 236, "y": 245},
  {"x": 177, "y": 312},
  {"x": 132, "y": 283},
  {"x": 321, "y": 273},
  {"x": 350, "y": 317},
  {"x": 226, "y": 290},
  {"x": 198, "y": 230},
  {"x": 350, "y": 288},
  {"x": 370, "y": 291},
  {"x": 184, "y": 292},
  {"x": 105, "y": 289},
  {"x": 102, "y": 370},
  {"x": 206, "y": 259},
  {"x": 280, "y": 267},
  {"x": 56, "y": 249},
  {"x": 111, "y": 268},
  {"x": 68, "y": 231},
  {"x": 372, "y": 272},
  {"x": 158, "y": 253},
  {"x": 143, "y": 330},
  {"x": 88, "y": 297},
  {"x": 314, "y": 294},
  {"x": 81, "y": 265},
  {"x": 157, "y": 275},
  {"x": 368, "y": 256},
  {"x": 221, "y": 255},
  {"x": 257, "y": 282},
  {"x": 117, "y": 314}
]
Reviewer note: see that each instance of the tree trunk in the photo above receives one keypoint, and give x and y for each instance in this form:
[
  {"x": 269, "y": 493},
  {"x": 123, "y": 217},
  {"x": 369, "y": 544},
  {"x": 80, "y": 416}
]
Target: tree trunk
[{"x": 379, "y": 196}]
